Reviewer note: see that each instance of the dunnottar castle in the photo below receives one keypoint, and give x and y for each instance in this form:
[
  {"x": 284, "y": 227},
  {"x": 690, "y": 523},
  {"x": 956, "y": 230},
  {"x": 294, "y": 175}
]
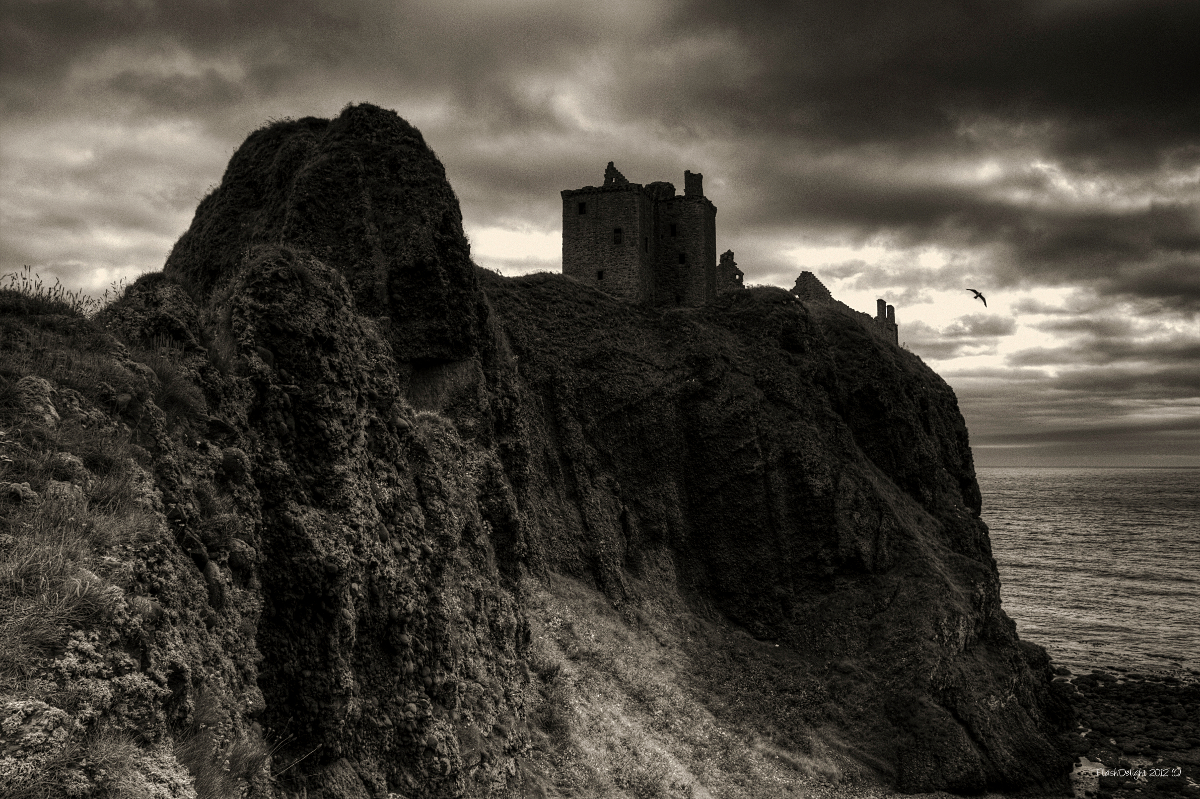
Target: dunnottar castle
[{"x": 647, "y": 244}]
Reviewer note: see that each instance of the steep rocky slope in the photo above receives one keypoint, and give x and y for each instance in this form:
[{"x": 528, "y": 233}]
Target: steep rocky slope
[{"x": 369, "y": 461}]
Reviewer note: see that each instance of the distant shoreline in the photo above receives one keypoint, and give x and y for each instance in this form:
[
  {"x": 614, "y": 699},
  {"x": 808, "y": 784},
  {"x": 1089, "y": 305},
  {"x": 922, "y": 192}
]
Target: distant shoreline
[{"x": 978, "y": 467}]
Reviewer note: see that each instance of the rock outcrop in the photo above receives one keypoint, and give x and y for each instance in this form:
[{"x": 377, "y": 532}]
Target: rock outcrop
[
  {"x": 366, "y": 196},
  {"x": 390, "y": 443}
]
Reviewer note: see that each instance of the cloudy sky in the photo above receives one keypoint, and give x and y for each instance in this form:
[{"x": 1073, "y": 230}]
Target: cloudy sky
[{"x": 1045, "y": 152}]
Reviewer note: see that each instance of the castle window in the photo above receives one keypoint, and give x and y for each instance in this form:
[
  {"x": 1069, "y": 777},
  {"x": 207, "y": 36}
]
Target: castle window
[
  {"x": 683, "y": 258},
  {"x": 599, "y": 274},
  {"x": 674, "y": 229},
  {"x": 645, "y": 244},
  {"x": 582, "y": 209},
  {"x": 618, "y": 236}
]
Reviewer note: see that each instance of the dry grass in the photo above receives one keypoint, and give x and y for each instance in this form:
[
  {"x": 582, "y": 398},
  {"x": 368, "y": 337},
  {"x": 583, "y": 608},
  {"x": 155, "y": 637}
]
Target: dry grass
[
  {"x": 27, "y": 295},
  {"x": 629, "y": 705},
  {"x": 218, "y": 771},
  {"x": 176, "y": 393},
  {"x": 88, "y": 503},
  {"x": 70, "y": 351},
  {"x": 50, "y": 574},
  {"x": 114, "y": 767},
  {"x": 77, "y": 353}
]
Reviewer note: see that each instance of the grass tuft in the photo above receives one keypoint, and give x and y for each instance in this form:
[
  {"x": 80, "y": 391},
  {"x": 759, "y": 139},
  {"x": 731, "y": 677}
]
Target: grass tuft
[
  {"x": 27, "y": 295},
  {"x": 218, "y": 771},
  {"x": 52, "y": 563},
  {"x": 176, "y": 394},
  {"x": 47, "y": 583}
]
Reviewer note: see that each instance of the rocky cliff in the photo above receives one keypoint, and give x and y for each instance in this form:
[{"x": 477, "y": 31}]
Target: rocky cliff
[{"x": 375, "y": 480}]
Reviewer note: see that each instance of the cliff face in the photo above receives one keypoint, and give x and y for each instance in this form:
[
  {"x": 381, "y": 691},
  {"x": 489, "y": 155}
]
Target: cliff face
[
  {"x": 811, "y": 481},
  {"x": 388, "y": 450}
]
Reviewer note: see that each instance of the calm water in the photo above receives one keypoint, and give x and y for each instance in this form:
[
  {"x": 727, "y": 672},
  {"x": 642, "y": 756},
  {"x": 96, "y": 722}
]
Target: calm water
[{"x": 1100, "y": 566}]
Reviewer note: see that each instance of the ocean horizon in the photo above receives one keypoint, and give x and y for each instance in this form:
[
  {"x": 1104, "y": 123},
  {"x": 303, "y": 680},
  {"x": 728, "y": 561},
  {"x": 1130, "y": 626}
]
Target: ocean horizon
[{"x": 1100, "y": 565}]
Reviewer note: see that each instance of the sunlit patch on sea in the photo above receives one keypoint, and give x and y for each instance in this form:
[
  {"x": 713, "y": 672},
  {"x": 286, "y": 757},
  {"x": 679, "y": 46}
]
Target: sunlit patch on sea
[{"x": 1100, "y": 566}]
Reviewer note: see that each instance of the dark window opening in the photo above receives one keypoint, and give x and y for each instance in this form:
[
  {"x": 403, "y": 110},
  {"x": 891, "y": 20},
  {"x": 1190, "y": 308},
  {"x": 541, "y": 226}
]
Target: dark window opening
[
  {"x": 618, "y": 236},
  {"x": 582, "y": 209},
  {"x": 599, "y": 274},
  {"x": 674, "y": 228},
  {"x": 683, "y": 258},
  {"x": 645, "y": 244}
]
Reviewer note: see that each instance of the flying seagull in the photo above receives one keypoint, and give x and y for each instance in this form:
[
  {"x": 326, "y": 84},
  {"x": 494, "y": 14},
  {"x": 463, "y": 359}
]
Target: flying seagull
[{"x": 978, "y": 296}]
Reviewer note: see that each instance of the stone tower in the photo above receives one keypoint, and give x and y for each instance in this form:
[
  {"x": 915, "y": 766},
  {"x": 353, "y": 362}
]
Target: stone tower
[
  {"x": 885, "y": 318},
  {"x": 642, "y": 243}
]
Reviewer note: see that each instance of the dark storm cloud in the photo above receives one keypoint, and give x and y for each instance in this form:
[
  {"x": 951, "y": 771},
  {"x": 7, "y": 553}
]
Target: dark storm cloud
[
  {"x": 1173, "y": 281},
  {"x": 1111, "y": 433},
  {"x": 1078, "y": 304},
  {"x": 1051, "y": 143},
  {"x": 1108, "y": 82},
  {"x": 1005, "y": 374},
  {"x": 836, "y": 102},
  {"x": 1175, "y": 382},
  {"x": 179, "y": 92},
  {"x": 43, "y": 38},
  {"x": 927, "y": 342},
  {"x": 42, "y": 41},
  {"x": 1178, "y": 349},
  {"x": 868, "y": 194},
  {"x": 1075, "y": 240},
  {"x": 1151, "y": 252},
  {"x": 1032, "y": 422},
  {"x": 1100, "y": 327}
]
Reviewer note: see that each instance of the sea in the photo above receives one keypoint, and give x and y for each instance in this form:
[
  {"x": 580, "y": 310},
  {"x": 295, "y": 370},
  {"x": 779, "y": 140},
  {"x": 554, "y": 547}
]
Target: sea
[{"x": 1100, "y": 566}]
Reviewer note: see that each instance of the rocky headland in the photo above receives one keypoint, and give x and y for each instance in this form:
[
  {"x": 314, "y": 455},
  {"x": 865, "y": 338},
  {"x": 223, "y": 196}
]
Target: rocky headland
[{"x": 351, "y": 517}]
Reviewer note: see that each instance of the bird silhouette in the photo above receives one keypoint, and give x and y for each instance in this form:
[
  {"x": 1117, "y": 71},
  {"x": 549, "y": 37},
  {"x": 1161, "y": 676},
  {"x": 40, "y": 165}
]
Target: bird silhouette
[{"x": 978, "y": 296}]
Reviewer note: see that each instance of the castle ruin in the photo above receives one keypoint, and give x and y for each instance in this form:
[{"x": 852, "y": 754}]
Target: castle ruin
[
  {"x": 810, "y": 289},
  {"x": 649, "y": 245},
  {"x": 646, "y": 244},
  {"x": 885, "y": 319}
]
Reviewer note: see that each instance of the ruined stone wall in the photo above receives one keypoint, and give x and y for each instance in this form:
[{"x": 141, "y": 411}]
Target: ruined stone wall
[
  {"x": 591, "y": 252},
  {"x": 668, "y": 272},
  {"x": 667, "y": 252},
  {"x": 710, "y": 251},
  {"x": 687, "y": 260},
  {"x": 810, "y": 289},
  {"x": 645, "y": 243},
  {"x": 729, "y": 277},
  {"x": 885, "y": 318}
]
